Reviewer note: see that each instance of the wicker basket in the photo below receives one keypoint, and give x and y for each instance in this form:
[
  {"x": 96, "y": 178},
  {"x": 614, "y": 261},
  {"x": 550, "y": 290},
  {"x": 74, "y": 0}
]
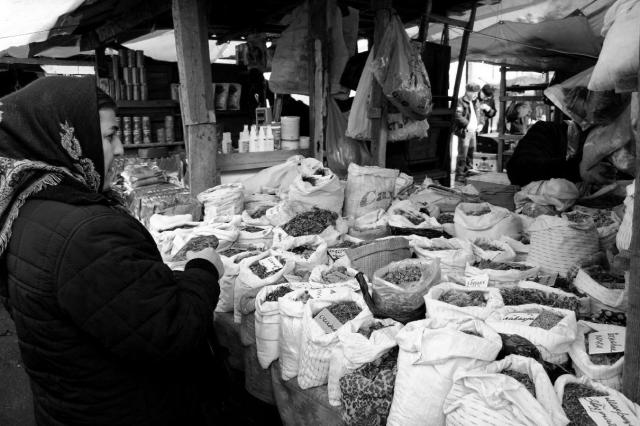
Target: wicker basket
[{"x": 373, "y": 256}]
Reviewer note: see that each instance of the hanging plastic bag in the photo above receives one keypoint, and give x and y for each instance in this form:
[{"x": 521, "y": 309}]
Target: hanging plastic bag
[
  {"x": 342, "y": 150},
  {"x": 359, "y": 125}
]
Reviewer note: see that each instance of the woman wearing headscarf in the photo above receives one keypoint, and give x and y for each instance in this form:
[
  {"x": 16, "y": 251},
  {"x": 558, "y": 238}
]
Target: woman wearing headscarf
[{"x": 107, "y": 333}]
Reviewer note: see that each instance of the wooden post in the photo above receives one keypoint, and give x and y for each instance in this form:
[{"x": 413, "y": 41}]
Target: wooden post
[
  {"x": 196, "y": 98},
  {"x": 424, "y": 26},
  {"x": 502, "y": 109},
  {"x": 318, "y": 73},
  {"x": 377, "y": 107}
]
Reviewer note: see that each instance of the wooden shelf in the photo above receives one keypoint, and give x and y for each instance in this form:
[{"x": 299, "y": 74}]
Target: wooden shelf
[
  {"x": 256, "y": 160},
  {"x": 231, "y": 112},
  {"x": 152, "y": 145},
  {"x": 162, "y": 103}
]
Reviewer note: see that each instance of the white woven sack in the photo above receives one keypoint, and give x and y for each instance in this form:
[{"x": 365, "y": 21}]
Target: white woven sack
[
  {"x": 615, "y": 298},
  {"x": 499, "y": 278},
  {"x": 291, "y": 310},
  {"x": 559, "y": 193},
  {"x": 267, "y": 322},
  {"x": 628, "y": 406},
  {"x": 316, "y": 277},
  {"x": 454, "y": 253},
  {"x": 317, "y": 345},
  {"x": 228, "y": 281},
  {"x": 623, "y": 238},
  {"x": 608, "y": 375},
  {"x": 284, "y": 211},
  {"x": 260, "y": 221},
  {"x": 491, "y": 398},
  {"x": 222, "y": 202},
  {"x": 557, "y": 244},
  {"x": 431, "y": 351},
  {"x": 260, "y": 239},
  {"x": 247, "y": 280},
  {"x": 370, "y": 226},
  {"x": 493, "y": 225},
  {"x": 369, "y": 188},
  {"x": 327, "y": 193},
  {"x": 553, "y": 344},
  {"x": 439, "y": 309},
  {"x": 505, "y": 254},
  {"x": 354, "y": 350},
  {"x": 319, "y": 256}
]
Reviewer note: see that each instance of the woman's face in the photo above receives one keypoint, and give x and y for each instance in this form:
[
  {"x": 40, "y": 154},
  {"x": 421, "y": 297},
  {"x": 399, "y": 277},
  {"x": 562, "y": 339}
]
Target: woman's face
[{"x": 111, "y": 144}]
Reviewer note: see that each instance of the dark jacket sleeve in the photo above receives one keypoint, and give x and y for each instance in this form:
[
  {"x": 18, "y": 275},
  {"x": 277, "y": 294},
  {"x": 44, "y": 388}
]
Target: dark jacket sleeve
[
  {"x": 491, "y": 103},
  {"x": 114, "y": 286},
  {"x": 541, "y": 155},
  {"x": 461, "y": 120}
]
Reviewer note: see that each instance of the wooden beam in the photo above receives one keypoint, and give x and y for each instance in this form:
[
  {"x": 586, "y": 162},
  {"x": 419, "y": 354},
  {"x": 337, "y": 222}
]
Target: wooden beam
[
  {"x": 47, "y": 61},
  {"x": 318, "y": 73},
  {"x": 450, "y": 21},
  {"x": 138, "y": 14},
  {"x": 196, "y": 97},
  {"x": 531, "y": 98},
  {"x": 424, "y": 25},
  {"x": 502, "y": 107}
]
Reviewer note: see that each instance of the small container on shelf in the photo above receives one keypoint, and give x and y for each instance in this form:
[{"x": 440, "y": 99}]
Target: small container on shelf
[
  {"x": 226, "y": 143},
  {"x": 276, "y": 130},
  {"x": 290, "y": 145},
  {"x": 146, "y": 129},
  {"x": 304, "y": 142},
  {"x": 136, "y": 92},
  {"x": 137, "y": 130},
  {"x": 168, "y": 128},
  {"x": 131, "y": 58},
  {"x": 160, "y": 136},
  {"x": 139, "y": 58}
]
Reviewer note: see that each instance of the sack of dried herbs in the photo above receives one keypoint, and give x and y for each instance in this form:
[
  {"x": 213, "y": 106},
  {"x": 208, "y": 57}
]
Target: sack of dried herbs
[
  {"x": 400, "y": 286},
  {"x": 602, "y": 368},
  {"x": 484, "y": 220},
  {"x": 284, "y": 211},
  {"x": 227, "y": 281},
  {"x": 526, "y": 292},
  {"x": 501, "y": 273},
  {"x": 607, "y": 223},
  {"x": 570, "y": 389},
  {"x": 257, "y": 215},
  {"x": 267, "y": 322},
  {"x": 448, "y": 300},
  {"x": 306, "y": 252},
  {"x": 404, "y": 214},
  {"x": 317, "y": 187},
  {"x": 317, "y": 344},
  {"x": 607, "y": 288},
  {"x": 513, "y": 391},
  {"x": 259, "y": 236},
  {"x": 552, "y": 330},
  {"x": 357, "y": 349},
  {"x": 454, "y": 253},
  {"x": 493, "y": 250},
  {"x": 291, "y": 307},
  {"x": 335, "y": 276},
  {"x": 370, "y": 226},
  {"x": 431, "y": 352}
]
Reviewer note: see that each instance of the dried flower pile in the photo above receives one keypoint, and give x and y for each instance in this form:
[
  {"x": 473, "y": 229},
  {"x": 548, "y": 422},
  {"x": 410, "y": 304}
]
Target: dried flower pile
[
  {"x": 602, "y": 218},
  {"x": 577, "y": 217},
  {"x": 261, "y": 271},
  {"x": 484, "y": 245}
]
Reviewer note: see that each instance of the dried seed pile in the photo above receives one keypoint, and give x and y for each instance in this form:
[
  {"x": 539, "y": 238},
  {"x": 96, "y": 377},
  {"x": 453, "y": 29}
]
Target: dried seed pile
[
  {"x": 601, "y": 359},
  {"x": 367, "y": 332},
  {"x": 500, "y": 266},
  {"x": 196, "y": 244},
  {"x": 463, "y": 298},
  {"x": 310, "y": 223},
  {"x": 572, "y": 406},
  {"x": 335, "y": 275},
  {"x": 605, "y": 278},
  {"x": 261, "y": 271},
  {"x": 481, "y": 212},
  {"x": 602, "y": 218},
  {"x": 404, "y": 275},
  {"x": 445, "y": 218},
  {"x": 522, "y": 378},
  {"x": 521, "y": 296},
  {"x": 252, "y": 229},
  {"x": 546, "y": 320},
  {"x": 345, "y": 311},
  {"x": 487, "y": 246},
  {"x": 577, "y": 217},
  {"x": 277, "y": 294},
  {"x": 259, "y": 212},
  {"x": 304, "y": 251}
]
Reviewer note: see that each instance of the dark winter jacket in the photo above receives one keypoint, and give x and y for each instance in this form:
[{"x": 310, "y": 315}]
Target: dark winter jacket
[
  {"x": 463, "y": 113},
  {"x": 541, "y": 155},
  {"x": 107, "y": 333}
]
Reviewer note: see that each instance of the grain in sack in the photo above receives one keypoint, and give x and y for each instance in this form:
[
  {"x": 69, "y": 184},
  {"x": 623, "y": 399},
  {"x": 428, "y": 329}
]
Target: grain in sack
[
  {"x": 369, "y": 188},
  {"x": 484, "y": 220},
  {"x": 491, "y": 398},
  {"x": 454, "y": 253},
  {"x": 222, "y": 202},
  {"x": 431, "y": 352},
  {"x": 449, "y": 300}
]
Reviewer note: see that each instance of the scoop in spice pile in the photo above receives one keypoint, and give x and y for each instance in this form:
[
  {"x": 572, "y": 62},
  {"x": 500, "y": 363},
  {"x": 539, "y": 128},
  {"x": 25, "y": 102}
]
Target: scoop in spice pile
[
  {"x": 304, "y": 251},
  {"x": 345, "y": 311},
  {"x": 605, "y": 278},
  {"x": 445, "y": 218},
  {"x": 501, "y": 266},
  {"x": 601, "y": 359},
  {"x": 335, "y": 275},
  {"x": 522, "y": 296},
  {"x": 277, "y": 294},
  {"x": 196, "y": 244},
  {"x": 463, "y": 298},
  {"x": 311, "y": 222},
  {"x": 403, "y": 276},
  {"x": 546, "y": 320},
  {"x": 572, "y": 406},
  {"x": 522, "y": 378}
]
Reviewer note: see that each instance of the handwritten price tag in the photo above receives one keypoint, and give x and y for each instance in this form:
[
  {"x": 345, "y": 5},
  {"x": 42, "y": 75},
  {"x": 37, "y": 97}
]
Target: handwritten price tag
[
  {"x": 327, "y": 321},
  {"x": 525, "y": 318},
  {"x": 608, "y": 411},
  {"x": 337, "y": 253},
  {"x": 606, "y": 342},
  {"x": 271, "y": 264},
  {"x": 477, "y": 281}
]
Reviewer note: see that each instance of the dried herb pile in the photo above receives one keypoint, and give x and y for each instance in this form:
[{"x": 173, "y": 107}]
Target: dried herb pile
[
  {"x": 577, "y": 217},
  {"x": 277, "y": 294},
  {"x": 481, "y": 212},
  {"x": 601, "y": 359},
  {"x": 261, "y": 271},
  {"x": 522, "y": 378},
  {"x": 609, "y": 317},
  {"x": 335, "y": 275},
  {"x": 252, "y": 229},
  {"x": 463, "y": 298},
  {"x": 602, "y": 218},
  {"x": 230, "y": 252},
  {"x": 368, "y": 331},
  {"x": 572, "y": 406},
  {"x": 312, "y": 222},
  {"x": 484, "y": 245},
  {"x": 303, "y": 251},
  {"x": 605, "y": 278},
  {"x": 259, "y": 212},
  {"x": 546, "y": 320},
  {"x": 196, "y": 244},
  {"x": 345, "y": 311},
  {"x": 404, "y": 275},
  {"x": 500, "y": 266},
  {"x": 445, "y": 218},
  {"x": 522, "y": 296}
]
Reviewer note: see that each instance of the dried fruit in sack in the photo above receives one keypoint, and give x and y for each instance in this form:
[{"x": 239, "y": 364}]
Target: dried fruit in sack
[
  {"x": 522, "y": 296},
  {"x": 487, "y": 246},
  {"x": 196, "y": 244},
  {"x": 501, "y": 266},
  {"x": 252, "y": 229},
  {"x": 605, "y": 278},
  {"x": 546, "y": 320},
  {"x": 463, "y": 298},
  {"x": 481, "y": 212},
  {"x": 345, "y": 311},
  {"x": 277, "y": 294},
  {"x": 601, "y": 359},
  {"x": 577, "y": 217},
  {"x": 572, "y": 406},
  {"x": 403, "y": 276},
  {"x": 609, "y": 317},
  {"x": 304, "y": 251},
  {"x": 445, "y": 218},
  {"x": 367, "y": 331},
  {"x": 312, "y": 222},
  {"x": 259, "y": 212},
  {"x": 522, "y": 378},
  {"x": 335, "y": 275}
]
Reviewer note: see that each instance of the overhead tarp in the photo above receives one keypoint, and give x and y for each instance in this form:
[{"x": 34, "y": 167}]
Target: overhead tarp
[{"x": 557, "y": 45}]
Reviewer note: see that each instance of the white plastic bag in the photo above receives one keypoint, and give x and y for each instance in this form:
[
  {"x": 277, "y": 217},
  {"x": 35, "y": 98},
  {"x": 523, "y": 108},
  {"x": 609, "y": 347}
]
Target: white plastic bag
[
  {"x": 227, "y": 281},
  {"x": 222, "y": 202},
  {"x": 259, "y": 239},
  {"x": 291, "y": 307},
  {"x": 436, "y": 308},
  {"x": 324, "y": 191},
  {"x": 623, "y": 238},
  {"x": 277, "y": 177},
  {"x": 403, "y": 214},
  {"x": 559, "y": 193},
  {"x": 368, "y": 189},
  {"x": 318, "y": 257},
  {"x": 504, "y": 254},
  {"x": 454, "y": 253},
  {"x": 359, "y": 125},
  {"x": 492, "y": 225},
  {"x": 370, "y": 226},
  {"x": 613, "y": 298}
]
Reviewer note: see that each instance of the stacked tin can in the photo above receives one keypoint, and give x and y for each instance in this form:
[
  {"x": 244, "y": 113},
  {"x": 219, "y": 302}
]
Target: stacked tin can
[
  {"x": 137, "y": 130},
  {"x": 127, "y": 130}
]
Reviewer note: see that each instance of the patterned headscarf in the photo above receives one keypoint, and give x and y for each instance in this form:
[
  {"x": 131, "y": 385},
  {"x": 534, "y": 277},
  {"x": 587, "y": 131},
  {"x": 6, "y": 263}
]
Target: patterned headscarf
[{"x": 49, "y": 131}]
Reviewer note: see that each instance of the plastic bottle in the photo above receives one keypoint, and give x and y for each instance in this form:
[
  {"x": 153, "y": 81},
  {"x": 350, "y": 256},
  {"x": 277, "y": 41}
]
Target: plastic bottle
[
  {"x": 253, "y": 139},
  {"x": 261, "y": 139},
  {"x": 268, "y": 139},
  {"x": 244, "y": 140},
  {"x": 226, "y": 143}
]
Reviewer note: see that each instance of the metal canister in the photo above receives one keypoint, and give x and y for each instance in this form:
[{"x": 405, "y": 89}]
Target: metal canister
[
  {"x": 122, "y": 54},
  {"x": 168, "y": 128},
  {"x": 131, "y": 58},
  {"x": 136, "y": 92},
  {"x": 139, "y": 59},
  {"x": 276, "y": 129},
  {"x": 137, "y": 129},
  {"x": 146, "y": 129},
  {"x": 160, "y": 138}
]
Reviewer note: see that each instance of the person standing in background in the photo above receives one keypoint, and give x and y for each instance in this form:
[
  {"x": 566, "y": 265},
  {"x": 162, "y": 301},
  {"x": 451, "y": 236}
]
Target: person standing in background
[
  {"x": 488, "y": 106},
  {"x": 469, "y": 120}
]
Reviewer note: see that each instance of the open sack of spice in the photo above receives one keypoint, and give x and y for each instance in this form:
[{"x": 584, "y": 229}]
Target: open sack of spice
[
  {"x": 528, "y": 292},
  {"x": 231, "y": 259},
  {"x": 322, "y": 323},
  {"x": 598, "y": 353},
  {"x": 607, "y": 289},
  {"x": 317, "y": 186},
  {"x": 256, "y": 236},
  {"x": 500, "y": 273},
  {"x": 373, "y": 339},
  {"x": 305, "y": 252},
  {"x": 607, "y": 224},
  {"x": 493, "y": 250},
  {"x": 431, "y": 351},
  {"x": 284, "y": 211},
  {"x": 454, "y": 253},
  {"x": 484, "y": 220},
  {"x": 405, "y": 214},
  {"x": 324, "y": 223},
  {"x": 255, "y": 208},
  {"x": 449, "y": 300},
  {"x": 371, "y": 225},
  {"x": 334, "y": 276},
  {"x": 552, "y": 330},
  {"x": 587, "y": 402},
  {"x": 513, "y": 391},
  {"x": 267, "y": 322}
]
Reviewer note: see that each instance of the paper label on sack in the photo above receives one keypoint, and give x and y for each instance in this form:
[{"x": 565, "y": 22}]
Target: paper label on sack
[
  {"x": 608, "y": 411},
  {"x": 477, "y": 281},
  {"x": 327, "y": 321},
  {"x": 525, "y": 318},
  {"x": 337, "y": 253},
  {"x": 606, "y": 342},
  {"x": 548, "y": 280},
  {"x": 271, "y": 264}
]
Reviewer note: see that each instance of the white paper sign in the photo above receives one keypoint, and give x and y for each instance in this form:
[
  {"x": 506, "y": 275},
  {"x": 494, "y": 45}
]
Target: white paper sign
[
  {"x": 271, "y": 264},
  {"x": 477, "y": 281},
  {"x": 608, "y": 411},
  {"x": 337, "y": 253},
  {"x": 606, "y": 342},
  {"x": 525, "y": 318}
]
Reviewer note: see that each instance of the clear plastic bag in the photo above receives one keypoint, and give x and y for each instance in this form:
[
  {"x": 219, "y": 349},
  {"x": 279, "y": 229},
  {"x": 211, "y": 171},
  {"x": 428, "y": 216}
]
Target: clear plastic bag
[{"x": 342, "y": 150}]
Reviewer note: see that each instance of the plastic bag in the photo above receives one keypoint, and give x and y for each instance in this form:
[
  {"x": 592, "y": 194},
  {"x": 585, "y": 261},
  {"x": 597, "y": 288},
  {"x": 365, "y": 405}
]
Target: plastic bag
[
  {"x": 401, "y": 73},
  {"x": 290, "y": 63},
  {"x": 222, "y": 202},
  {"x": 321, "y": 188},
  {"x": 559, "y": 193},
  {"x": 278, "y": 177},
  {"x": 359, "y": 124},
  {"x": 370, "y": 226},
  {"x": 454, "y": 254}
]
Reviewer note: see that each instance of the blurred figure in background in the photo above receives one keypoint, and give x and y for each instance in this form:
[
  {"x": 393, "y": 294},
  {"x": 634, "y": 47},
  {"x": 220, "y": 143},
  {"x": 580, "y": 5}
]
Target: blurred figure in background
[{"x": 487, "y": 105}]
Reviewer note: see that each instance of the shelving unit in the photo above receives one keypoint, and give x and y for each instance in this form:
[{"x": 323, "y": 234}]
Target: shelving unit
[
  {"x": 256, "y": 160},
  {"x": 153, "y": 145}
]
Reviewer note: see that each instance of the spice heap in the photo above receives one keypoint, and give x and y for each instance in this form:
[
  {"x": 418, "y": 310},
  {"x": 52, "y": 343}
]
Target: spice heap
[
  {"x": 345, "y": 244},
  {"x": 546, "y": 320},
  {"x": 252, "y": 229},
  {"x": 500, "y": 266},
  {"x": 481, "y": 212},
  {"x": 572, "y": 406},
  {"x": 367, "y": 331},
  {"x": 230, "y": 252},
  {"x": 311, "y": 222},
  {"x": 345, "y": 311},
  {"x": 303, "y": 251},
  {"x": 463, "y": 298},
  {"x": 261, "y": 271},
  {"x": 403, "y": 276},
  {"x": 522, "y": 296},
  {"x": 602, "y": 218},
  {"x": 277, "y": 294},
  {"x": 487, "y": 246},
  {"x": 299, "y": 274},
  {"x": 601, "y": 359},
  {"x": 522, "y": 378},
  {"x": 259, "y": 212},
  {"x": 577, "y": 217},
  {"x": 335, "y": 275},
  {"x": 445, "y": 218},
  {"x": 605, "y": 278},
  {"x": 196, "y": 244}
]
